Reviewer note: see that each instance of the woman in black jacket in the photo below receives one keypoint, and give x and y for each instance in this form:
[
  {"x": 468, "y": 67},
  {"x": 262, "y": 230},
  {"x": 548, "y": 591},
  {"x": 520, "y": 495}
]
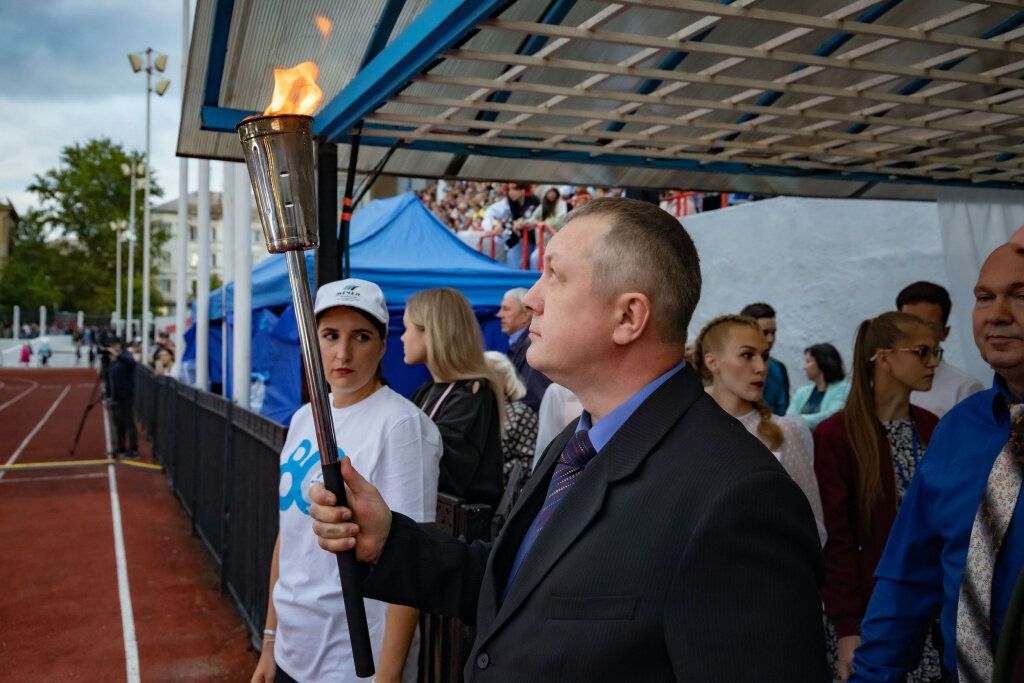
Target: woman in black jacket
[{"x": 463, "y": 398}]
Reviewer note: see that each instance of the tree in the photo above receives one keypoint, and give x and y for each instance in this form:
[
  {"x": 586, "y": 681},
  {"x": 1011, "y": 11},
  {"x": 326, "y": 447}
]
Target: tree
[{"x": 67, "y": 249}]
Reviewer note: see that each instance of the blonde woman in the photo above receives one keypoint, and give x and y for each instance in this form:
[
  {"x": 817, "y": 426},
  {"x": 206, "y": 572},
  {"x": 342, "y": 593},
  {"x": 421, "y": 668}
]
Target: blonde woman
[
  {"x": 463, "y": 398},
  {"x": 731, "y": 356},
  {"x": 519, "y": 433}
]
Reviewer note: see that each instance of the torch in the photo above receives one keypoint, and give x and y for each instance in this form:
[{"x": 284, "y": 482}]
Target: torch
[{"x": 278, "y": 151}]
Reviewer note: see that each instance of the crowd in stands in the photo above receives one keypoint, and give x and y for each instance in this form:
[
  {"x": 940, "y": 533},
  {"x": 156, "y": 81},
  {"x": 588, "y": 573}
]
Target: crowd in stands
[{"x": 489, "y": 216}]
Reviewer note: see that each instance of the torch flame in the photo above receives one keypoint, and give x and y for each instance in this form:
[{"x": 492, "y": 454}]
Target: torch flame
[{"x": 295, "y": 90}]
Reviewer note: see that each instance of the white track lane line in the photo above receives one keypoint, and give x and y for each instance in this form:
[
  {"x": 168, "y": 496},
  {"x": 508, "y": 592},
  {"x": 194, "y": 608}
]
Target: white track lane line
[
  {"x": 53, "y": 477},
  {"x": 36, "y": 428},
  {"x": 131, "y": 645},
  {"x": 34, "y": 385}
]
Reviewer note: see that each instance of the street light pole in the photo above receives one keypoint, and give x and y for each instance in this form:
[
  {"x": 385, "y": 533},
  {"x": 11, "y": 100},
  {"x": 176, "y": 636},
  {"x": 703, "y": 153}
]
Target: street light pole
[
  {"x": 159, "y": 63},
  {"x": 116, "y": 225}
]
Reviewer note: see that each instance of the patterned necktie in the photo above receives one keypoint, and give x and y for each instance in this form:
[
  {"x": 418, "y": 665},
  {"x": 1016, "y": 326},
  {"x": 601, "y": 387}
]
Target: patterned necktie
[
  {"x": 974, "y": 655},
  {"x": 570, "y": 465}
]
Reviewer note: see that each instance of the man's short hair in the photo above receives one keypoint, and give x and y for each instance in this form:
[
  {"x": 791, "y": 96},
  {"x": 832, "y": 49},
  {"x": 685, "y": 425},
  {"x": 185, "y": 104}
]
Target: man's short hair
[
  {"x": 646, "y": 250},
  {"x": 925, "y": 292},
  {"x": 516, "y": 293},
  {"x": 758, "y": 311}
]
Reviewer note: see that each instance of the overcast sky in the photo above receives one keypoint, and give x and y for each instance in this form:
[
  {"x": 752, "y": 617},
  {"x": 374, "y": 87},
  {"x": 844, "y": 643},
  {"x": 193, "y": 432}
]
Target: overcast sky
[{"x": 65, "y": 78}]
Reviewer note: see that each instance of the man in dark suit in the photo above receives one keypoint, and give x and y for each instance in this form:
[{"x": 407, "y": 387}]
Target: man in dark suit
[
  {"x": 680, "y": 550},
  {"x": 515, "y": 321}
]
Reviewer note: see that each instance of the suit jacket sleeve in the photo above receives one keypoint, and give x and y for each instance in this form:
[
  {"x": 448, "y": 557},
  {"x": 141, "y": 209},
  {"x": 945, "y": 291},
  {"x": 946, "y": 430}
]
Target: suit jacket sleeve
[
  {"x": 758, "y": 538},
  {"x": 428, "y": 569}
]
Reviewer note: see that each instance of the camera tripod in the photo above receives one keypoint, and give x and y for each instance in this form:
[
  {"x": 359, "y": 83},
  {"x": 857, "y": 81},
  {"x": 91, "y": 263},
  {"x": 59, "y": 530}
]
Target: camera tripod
[{"x": 96, "y": 396}]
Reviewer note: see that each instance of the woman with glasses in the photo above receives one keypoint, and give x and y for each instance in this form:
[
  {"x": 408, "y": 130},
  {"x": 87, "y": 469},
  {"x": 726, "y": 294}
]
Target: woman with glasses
[{"x": 865, "y": 458}]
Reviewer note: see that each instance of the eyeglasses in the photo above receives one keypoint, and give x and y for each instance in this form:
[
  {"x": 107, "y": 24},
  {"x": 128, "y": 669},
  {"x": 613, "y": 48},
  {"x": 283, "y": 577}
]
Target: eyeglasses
[{"x": 923, "y": 353}]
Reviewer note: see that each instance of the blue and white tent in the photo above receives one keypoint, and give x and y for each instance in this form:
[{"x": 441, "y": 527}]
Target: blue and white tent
[{"x": 394, "y": 242}]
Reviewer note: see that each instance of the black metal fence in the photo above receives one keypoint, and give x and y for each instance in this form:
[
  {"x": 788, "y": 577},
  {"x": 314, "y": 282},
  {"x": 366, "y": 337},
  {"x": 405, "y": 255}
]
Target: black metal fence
[{"x": 223, "y": 465}]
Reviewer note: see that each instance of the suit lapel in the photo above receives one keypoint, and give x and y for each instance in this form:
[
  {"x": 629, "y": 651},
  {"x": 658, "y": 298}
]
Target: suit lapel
[
  {"x": 620, "y": 457},
  {"x": 499, "y": 564}
]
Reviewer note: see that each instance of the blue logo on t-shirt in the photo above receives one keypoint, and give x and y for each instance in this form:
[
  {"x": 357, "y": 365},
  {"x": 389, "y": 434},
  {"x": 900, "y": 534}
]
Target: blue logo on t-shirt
[{"x": 297, "y": 476}]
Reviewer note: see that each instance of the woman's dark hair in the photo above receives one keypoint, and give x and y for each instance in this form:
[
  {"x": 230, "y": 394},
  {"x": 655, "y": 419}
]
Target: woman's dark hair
[
  {"x": 829, "y": 362},
  {"x": 547, "y": 209}
]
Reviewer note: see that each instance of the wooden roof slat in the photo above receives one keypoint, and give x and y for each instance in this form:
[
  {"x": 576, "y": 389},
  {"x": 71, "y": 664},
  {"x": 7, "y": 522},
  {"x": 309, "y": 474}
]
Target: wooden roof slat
[
  {"x": 723, "y": 50},
  {"x": 658, "y": 140},
  {"x": 720, "y": 127},
  {"x": 702, "y": 106},
  {"x": 834, "y": 25},
  {"x": 472, "y": 140},
  {"x": 730, "y": 81}
]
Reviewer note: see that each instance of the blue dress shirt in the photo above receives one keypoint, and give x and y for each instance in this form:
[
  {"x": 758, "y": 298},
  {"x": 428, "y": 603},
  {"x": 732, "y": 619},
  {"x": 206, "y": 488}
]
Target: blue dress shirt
[
  {"x": 514, "y": 337},
  {"x": 920, "y": 571},
  {"x": 600, "y": 434}
]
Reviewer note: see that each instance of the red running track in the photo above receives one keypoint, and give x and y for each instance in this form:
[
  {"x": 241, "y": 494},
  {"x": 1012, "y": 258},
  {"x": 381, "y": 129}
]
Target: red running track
[{"x": 63, "y": 608}]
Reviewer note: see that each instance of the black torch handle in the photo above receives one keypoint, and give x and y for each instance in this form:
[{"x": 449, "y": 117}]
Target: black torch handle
[{"x": 352, "y": 591}]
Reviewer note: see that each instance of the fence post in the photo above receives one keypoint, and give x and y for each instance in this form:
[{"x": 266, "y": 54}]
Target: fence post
[{"x": 229, "y": 459}]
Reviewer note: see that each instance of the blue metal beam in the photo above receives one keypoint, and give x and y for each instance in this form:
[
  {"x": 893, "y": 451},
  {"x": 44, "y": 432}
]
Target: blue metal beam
[
  {"x": 555, "y": 13},
  {"x": 380, "y": 135},
  {"x": 670, "y": 62},
  {"x": 439, "y": 26},
  {"x": 382, "y": 31},
  {"x": 218, "y": 51},
  {"x": 830, "y": 47}
]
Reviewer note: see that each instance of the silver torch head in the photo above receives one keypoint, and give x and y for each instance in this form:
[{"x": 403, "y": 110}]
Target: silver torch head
[{"x": 278, "y": 151}]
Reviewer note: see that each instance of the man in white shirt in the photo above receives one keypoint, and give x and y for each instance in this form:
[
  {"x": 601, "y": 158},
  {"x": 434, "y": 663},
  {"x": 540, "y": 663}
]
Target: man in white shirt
[{"x": 930, "y": 302}]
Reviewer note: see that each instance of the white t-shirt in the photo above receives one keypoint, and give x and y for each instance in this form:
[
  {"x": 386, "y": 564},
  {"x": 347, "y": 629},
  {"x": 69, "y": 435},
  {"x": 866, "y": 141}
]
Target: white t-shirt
[
  {"x": 397, "y": 448},
  {"x": 950, "y": 386}
]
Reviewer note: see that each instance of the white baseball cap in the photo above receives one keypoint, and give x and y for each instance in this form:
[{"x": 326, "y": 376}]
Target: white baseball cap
[{"x": 354, "y": 293}]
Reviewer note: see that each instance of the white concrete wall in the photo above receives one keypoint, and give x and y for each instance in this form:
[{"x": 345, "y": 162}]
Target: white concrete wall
[{"x": 823, "y": 264}]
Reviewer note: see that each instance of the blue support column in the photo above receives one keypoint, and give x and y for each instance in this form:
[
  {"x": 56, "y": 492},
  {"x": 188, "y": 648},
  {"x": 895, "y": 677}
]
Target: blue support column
[{"x": 442, "y": 24}]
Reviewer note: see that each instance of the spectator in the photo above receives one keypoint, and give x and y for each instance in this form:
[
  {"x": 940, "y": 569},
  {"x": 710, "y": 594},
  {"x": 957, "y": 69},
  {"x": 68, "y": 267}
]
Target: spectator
[
  {"x": 827, "y": 392},
  {"x": 463, "y": 398},
  {"x": 307, "y": 637},
  {"x": 776, "y": 384},
  {"x": 26, "y": 354},
  {"x": 515, "y": 322},
  {"x": 506, "y": 215},
  {"x": 121, "y": 397},
  {"x": 865, "y": 458},
  {"x": 940, "y": 558},
  {"x": 731, "y": 355},
  {"x": 552, "y": 210},
  {"x": 163, "y": 360},
  {"x": 519, "y": 436},
  {"x": 931, "y": 303},
  {"x": 44, "y": 351}
]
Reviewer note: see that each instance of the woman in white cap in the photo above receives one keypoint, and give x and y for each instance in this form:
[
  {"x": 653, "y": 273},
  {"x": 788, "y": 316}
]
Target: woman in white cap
[{"x": 398, "y": 449}]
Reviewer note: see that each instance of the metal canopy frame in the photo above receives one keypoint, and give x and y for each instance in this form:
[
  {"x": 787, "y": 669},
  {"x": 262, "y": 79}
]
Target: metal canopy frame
[{"x": 919, "y": 92}]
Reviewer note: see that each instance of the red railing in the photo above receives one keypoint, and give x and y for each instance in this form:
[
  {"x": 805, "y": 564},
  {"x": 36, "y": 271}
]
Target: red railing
[
  {"x": 541, "y": 229},
  {"x": 480, "y": 244}
]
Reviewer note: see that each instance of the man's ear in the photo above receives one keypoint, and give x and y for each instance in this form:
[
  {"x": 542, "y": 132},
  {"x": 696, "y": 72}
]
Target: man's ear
[
  {"x": 945, "y": 333},
  {"x": 633, "y": 317}
]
